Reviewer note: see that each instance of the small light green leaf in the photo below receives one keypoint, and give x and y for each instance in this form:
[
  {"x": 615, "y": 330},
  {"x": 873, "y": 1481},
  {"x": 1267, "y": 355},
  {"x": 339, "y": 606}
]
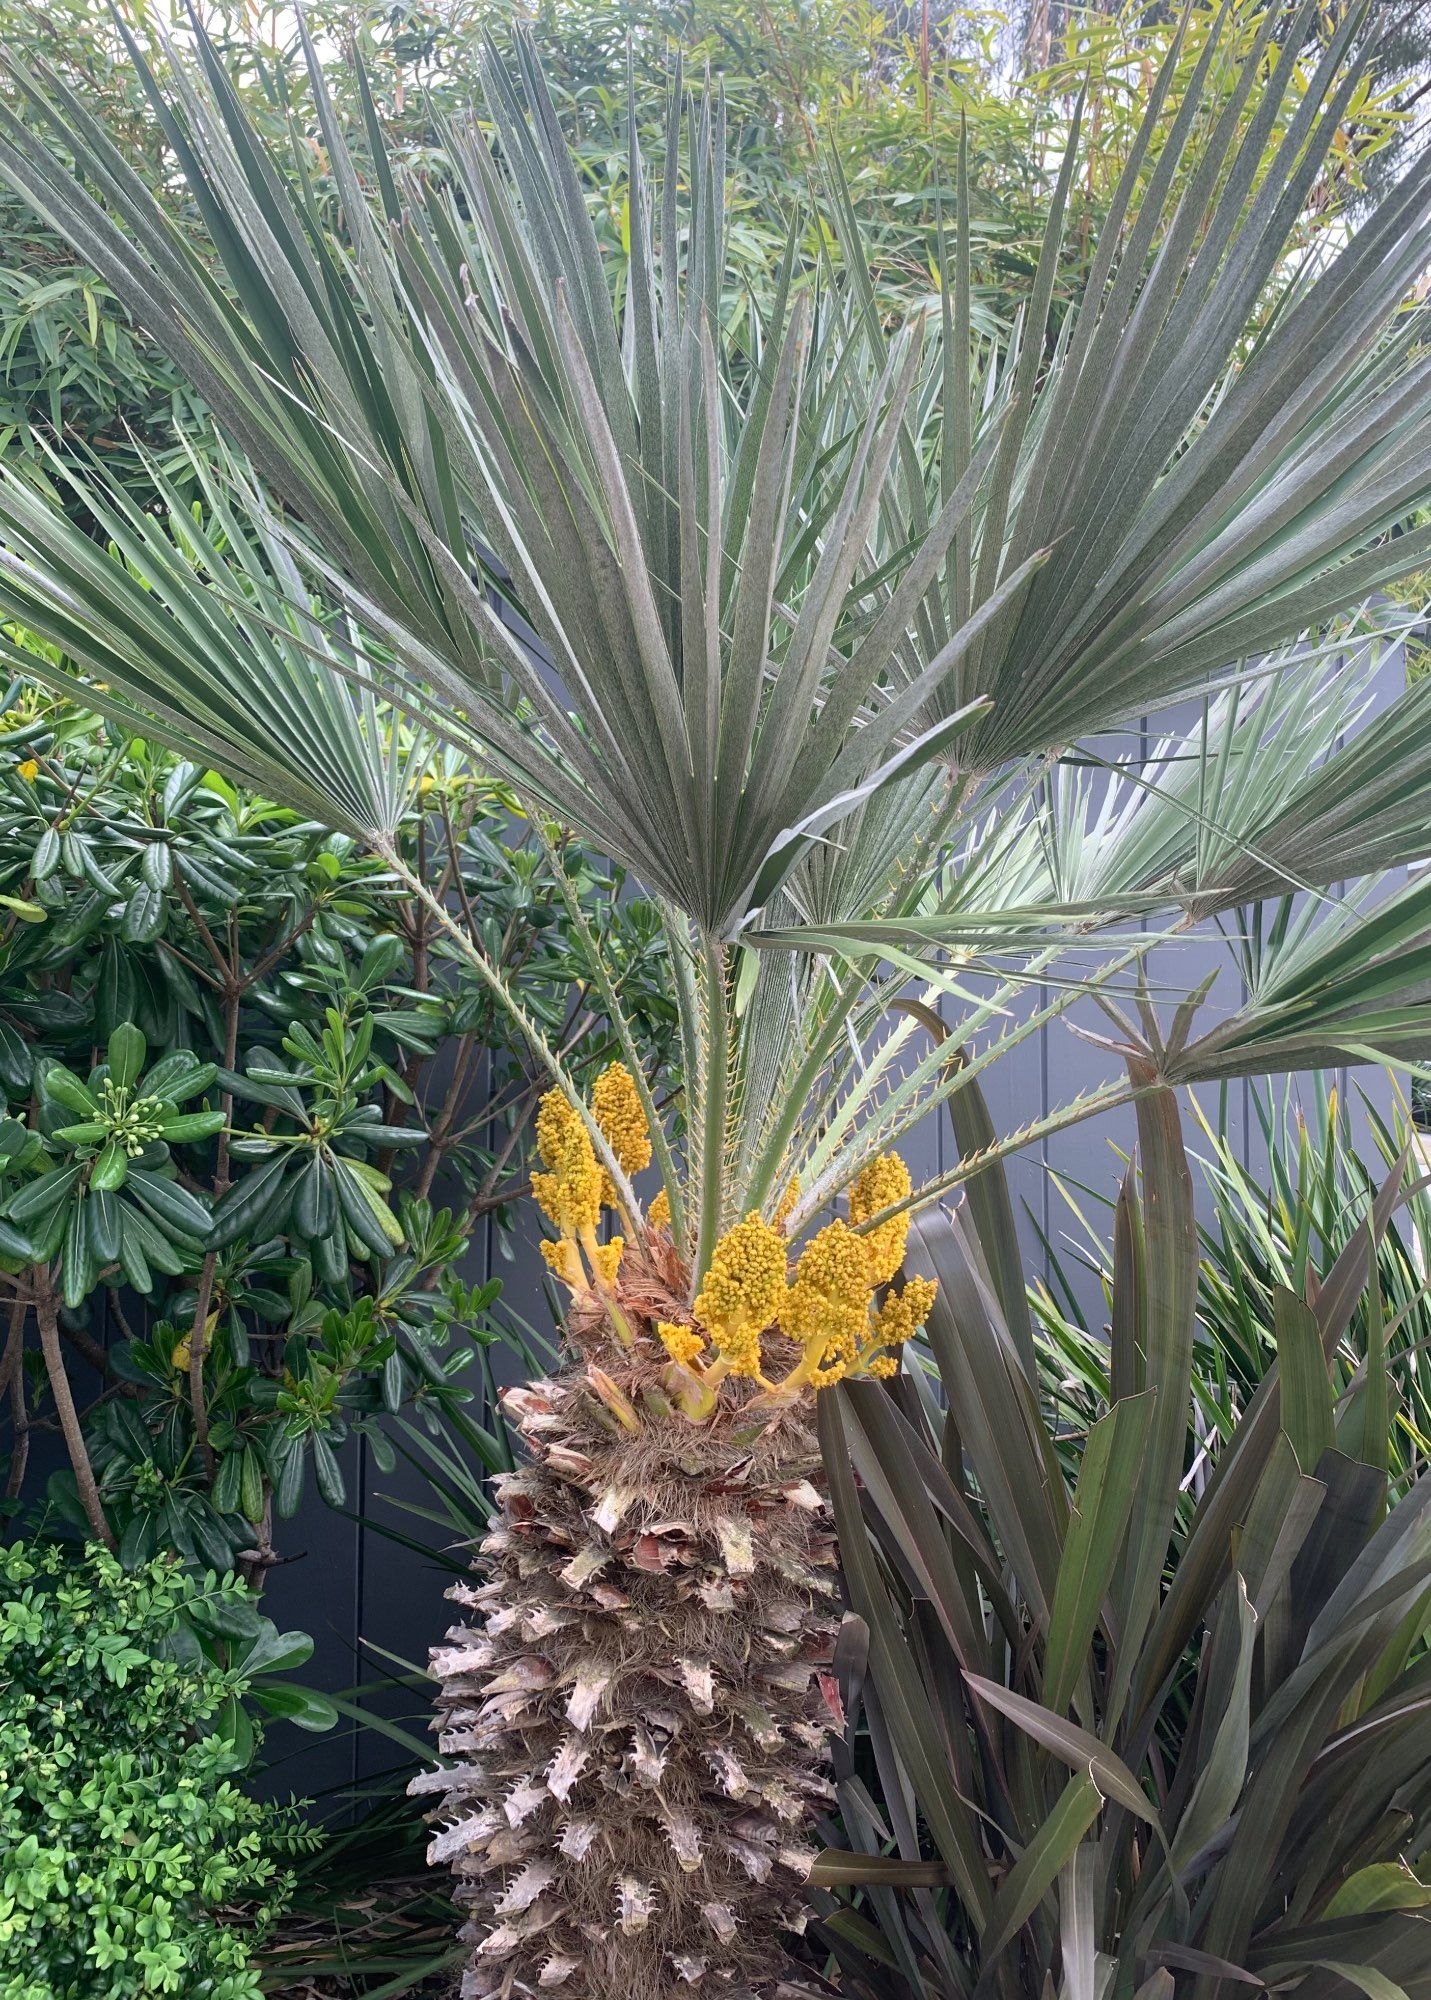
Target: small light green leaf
[
  {"x": 126, "y": 1055},
  {"x": 1384, "y": 1885}
]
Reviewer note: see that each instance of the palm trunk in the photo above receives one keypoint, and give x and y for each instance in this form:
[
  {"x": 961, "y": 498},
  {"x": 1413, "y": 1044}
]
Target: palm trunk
[{"x": 631, "y": 1703}]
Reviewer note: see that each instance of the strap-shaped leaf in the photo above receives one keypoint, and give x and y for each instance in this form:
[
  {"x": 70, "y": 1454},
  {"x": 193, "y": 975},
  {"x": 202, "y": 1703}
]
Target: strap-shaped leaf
[
  {"x": 1104, "y": 1504},
  {"x": 1076, "y": 1747}
]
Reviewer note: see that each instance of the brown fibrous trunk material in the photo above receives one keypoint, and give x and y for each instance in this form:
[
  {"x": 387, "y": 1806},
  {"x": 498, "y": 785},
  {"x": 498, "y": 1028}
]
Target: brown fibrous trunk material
[{"x": 632, "y": 1708}]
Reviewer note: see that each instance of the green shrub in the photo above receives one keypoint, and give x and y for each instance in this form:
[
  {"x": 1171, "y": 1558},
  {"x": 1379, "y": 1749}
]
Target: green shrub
[
  {"x": 330, "y": 1046},
  {"x": 131, "y": 1861}
]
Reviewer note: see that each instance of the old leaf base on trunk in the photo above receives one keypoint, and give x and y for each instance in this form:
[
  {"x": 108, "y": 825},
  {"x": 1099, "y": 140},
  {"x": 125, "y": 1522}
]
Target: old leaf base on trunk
[{"x": 631, "y": 1706}]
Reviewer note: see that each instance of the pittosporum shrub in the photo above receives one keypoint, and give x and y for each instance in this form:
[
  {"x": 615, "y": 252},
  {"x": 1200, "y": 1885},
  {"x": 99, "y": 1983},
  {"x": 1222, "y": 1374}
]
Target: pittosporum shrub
[{"x": 132, "y": 1862}]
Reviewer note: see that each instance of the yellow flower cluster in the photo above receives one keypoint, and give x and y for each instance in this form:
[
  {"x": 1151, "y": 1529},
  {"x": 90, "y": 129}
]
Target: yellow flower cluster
[
  {"x": 570, "y": 1193},
  {"x": 684, "y": 1344},
  {"x": 743, "y": 1292},
  {"x": 572, "y": 1186},
  {"x": 570, "y": 1190},
  {"x": 904, "y": 1312},
  {"x": 565, "y": 1259},
  {"x": 827, "y": 1310},
  {"x": 879, "y": 1185},
  {"x": 616, "y": 1107},
  {"x": 829, "y": 1305},
  {"x": 898, "y": 1320},
  {"x": 606, "y": 1260},
  {"x": 830, "y": 1312}
]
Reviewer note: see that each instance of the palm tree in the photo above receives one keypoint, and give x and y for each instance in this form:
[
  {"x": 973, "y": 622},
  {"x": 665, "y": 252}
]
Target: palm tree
[{"x": 820, "y": 622}]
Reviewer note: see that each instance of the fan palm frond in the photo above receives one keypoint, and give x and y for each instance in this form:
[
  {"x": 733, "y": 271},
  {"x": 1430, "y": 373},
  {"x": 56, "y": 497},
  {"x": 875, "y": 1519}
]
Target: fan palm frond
[{"x": 770, "y": 583}]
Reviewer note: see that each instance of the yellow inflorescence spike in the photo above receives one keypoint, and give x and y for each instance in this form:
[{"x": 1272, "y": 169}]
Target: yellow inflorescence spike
[
  {"x": 565, "y": 1259},
  {"x": 659, "y": 1213},
  {"x": 570, "y": 1196},
  {"x": 616, "y": 1107},
  {"x": 743, "y": 1293},
  {"x": 829, "y": 1304},
  {"x": 879, "y": 1185},
  {"x": 902, "y": 1314},
  {"x": 570, "y": 1190},
  {"x": 606, "y": 1260},
  {"x": 684, "y": 1344}
]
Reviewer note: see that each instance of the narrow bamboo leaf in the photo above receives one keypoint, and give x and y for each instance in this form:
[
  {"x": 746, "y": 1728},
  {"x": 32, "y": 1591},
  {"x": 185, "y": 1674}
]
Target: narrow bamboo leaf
[
  {"x": 1364, "y": 1426},
  {"x": 1207, "y": 1551},
  {"x": 878, "y": 1455}
]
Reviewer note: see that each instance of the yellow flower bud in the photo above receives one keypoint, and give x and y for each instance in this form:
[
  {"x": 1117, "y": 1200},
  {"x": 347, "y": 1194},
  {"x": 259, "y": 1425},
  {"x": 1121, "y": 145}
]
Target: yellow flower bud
[
  {"x": 606, "y": 1260},
  {"x": 570, "y": 1191},
  {"x": 744, "y": 1291},
  {"x": 884, "y": 1181},
  {"x": 683, "y": 1343},
  {"x": 829, "y": 1303},
  {"x": 903, "y": 1313},
  {"x": 659, "y": 1213},
  {"x": 565, "y": 1259},
  {"x": 616, "y": 1107},
  {"x": 746, "y": 1279}
]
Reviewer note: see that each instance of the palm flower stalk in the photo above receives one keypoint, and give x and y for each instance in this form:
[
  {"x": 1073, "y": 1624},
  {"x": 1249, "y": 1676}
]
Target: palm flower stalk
[
  {"x": 818, "y": 625},
  {"x": 634, "y": 1709}
]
